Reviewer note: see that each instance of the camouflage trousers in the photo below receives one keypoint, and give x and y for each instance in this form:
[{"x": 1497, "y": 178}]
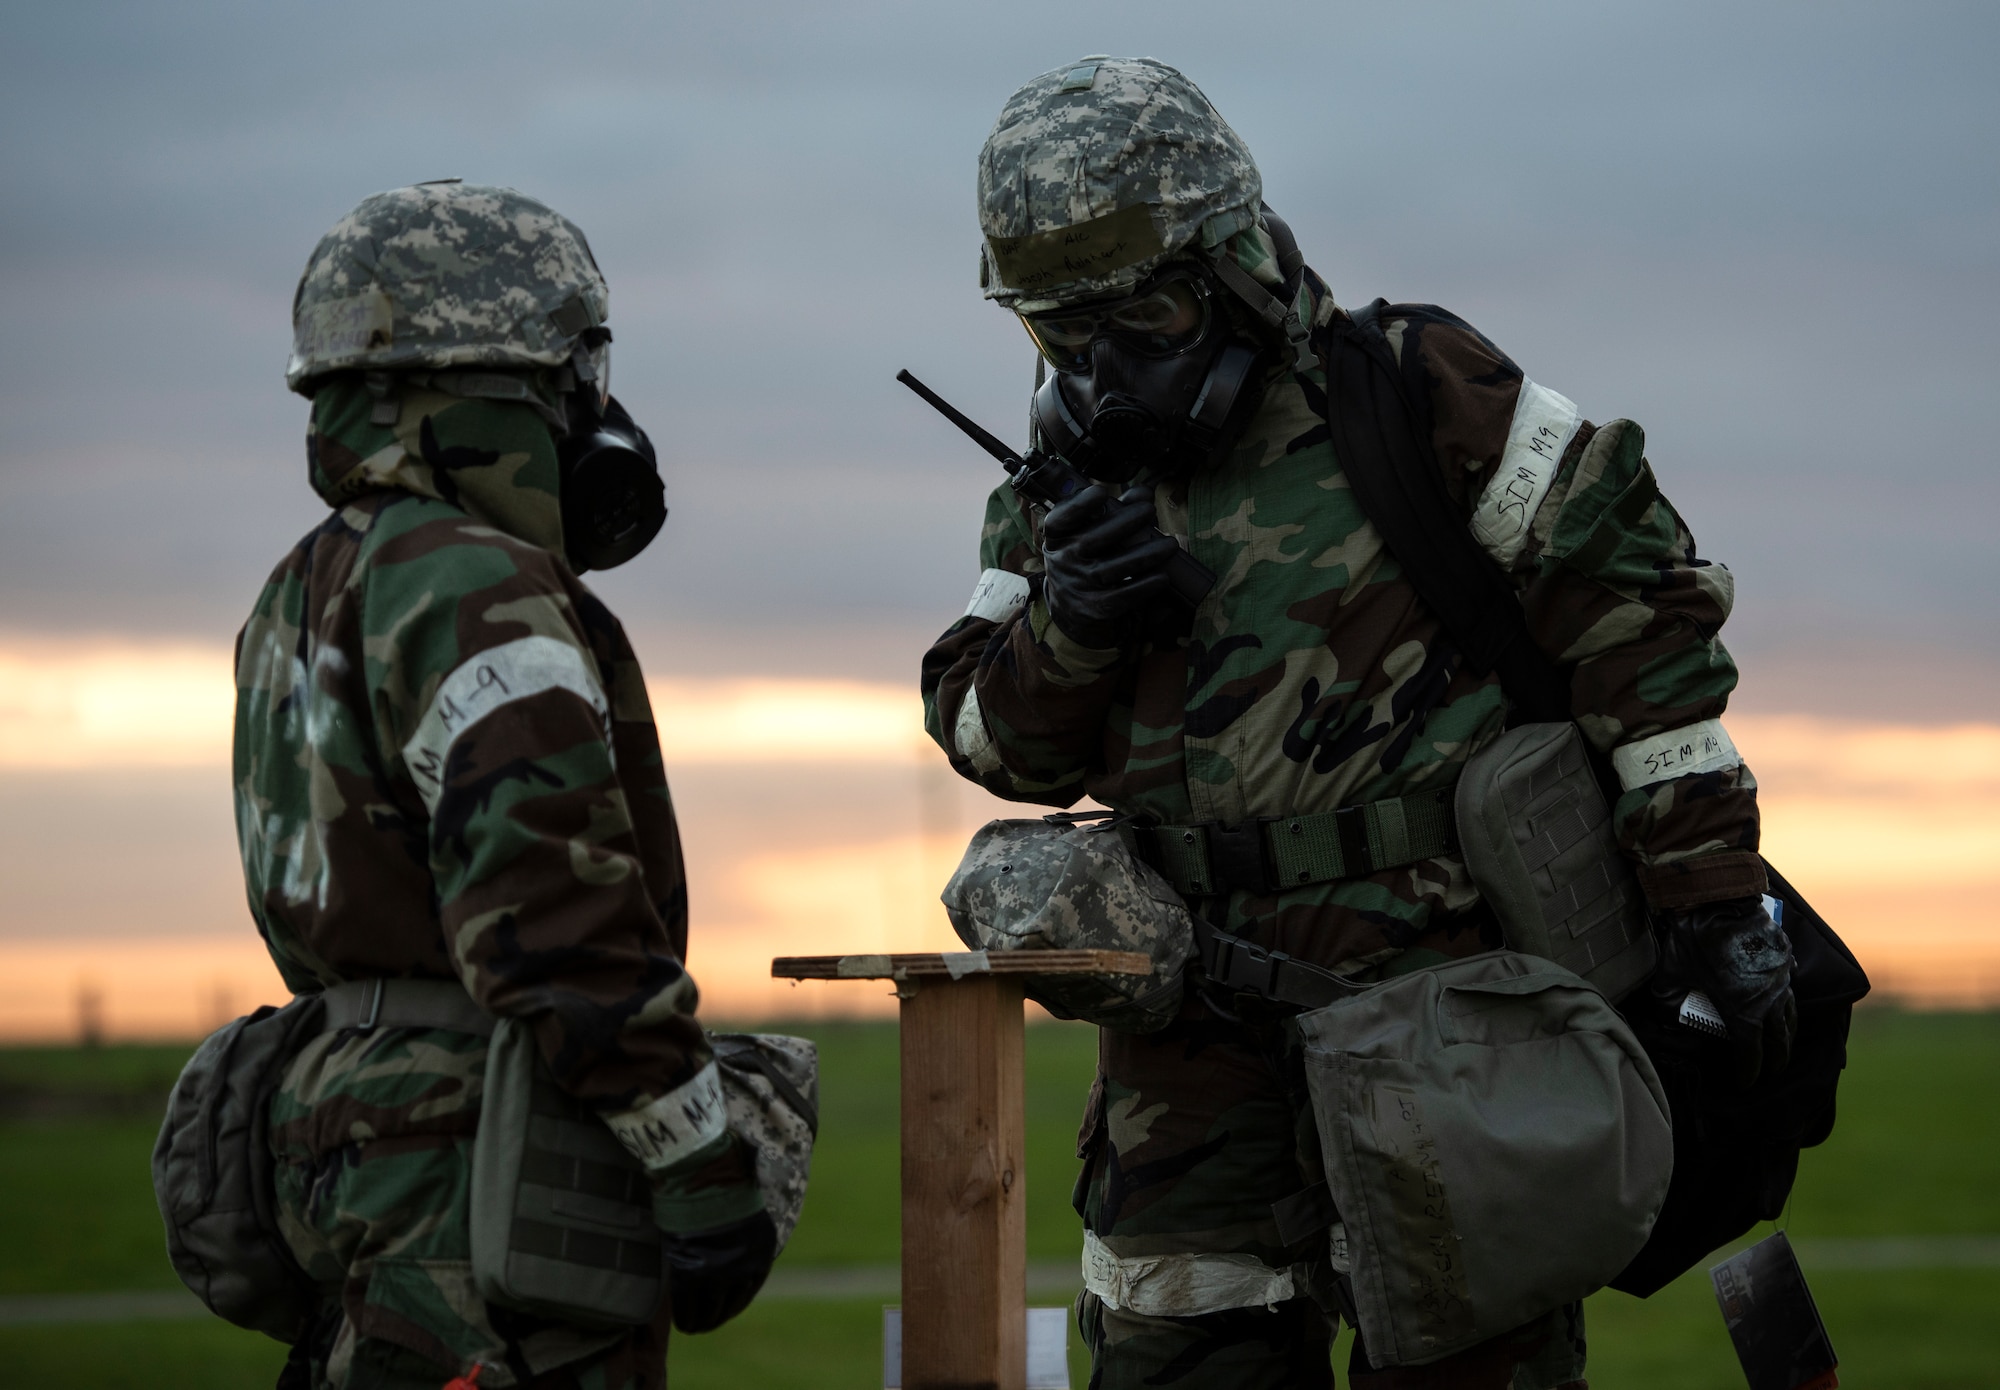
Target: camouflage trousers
[
  {"x": 637, "y": 1362},
  {"x": 373, "y": 1136},
  {"x": 1190, "y": 1135}
]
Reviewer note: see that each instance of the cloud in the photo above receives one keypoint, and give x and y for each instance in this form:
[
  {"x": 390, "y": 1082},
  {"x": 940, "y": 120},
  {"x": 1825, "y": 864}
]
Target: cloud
[
  {"x": 1751, "y": 230},
  {"x": 816, "y": 820}
]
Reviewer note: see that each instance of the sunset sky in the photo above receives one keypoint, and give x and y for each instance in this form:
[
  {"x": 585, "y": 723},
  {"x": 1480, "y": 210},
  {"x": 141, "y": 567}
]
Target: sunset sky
[{"x": 1769, "y": 234}]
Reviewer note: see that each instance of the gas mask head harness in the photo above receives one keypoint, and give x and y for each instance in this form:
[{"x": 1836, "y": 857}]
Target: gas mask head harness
[
  {"x": 1164, "y": 378},
  {"x": 613, "y": 500},
  {"x": 607, "y": 474}
]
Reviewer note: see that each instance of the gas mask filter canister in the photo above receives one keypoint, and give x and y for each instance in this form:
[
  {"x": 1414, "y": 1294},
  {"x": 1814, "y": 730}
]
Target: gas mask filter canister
[{"x": 613, "y": 501}]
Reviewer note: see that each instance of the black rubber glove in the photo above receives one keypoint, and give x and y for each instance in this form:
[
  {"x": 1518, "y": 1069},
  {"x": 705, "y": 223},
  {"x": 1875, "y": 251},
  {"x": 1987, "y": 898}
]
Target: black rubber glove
[
  {"x": 713, "y": 1275},
  {"x": 1735, "y": 954},
  {"x": 1105, "y": 564}
]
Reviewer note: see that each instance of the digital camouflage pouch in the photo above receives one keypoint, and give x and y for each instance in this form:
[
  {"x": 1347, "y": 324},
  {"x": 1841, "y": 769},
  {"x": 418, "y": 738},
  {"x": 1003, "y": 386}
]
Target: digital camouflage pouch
[
  {"x": 770, "y": 1087},
  {"x": 1042, "y": 885}
]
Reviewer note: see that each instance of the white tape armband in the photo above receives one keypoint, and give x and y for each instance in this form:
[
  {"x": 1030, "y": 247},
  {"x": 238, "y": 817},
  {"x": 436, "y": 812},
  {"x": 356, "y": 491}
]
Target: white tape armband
[
  {"x": 998, "y": 596},
  {"x": 1182, "y": 1286},
  {"x": 971, "y": 737},
  {"x": 1544, "y": 424},
  {"x": 664, "y": 1131},
  {"x": 1703, "y": 747},
  {"x": 513, "y": 671}
]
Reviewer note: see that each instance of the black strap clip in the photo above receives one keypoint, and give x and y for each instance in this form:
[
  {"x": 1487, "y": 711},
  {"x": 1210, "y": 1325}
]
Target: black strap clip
[
  {"x": 1078, "y": 817},
  {"x": 1241, "y": 965},
  {"x": 1244, "y": 965}
]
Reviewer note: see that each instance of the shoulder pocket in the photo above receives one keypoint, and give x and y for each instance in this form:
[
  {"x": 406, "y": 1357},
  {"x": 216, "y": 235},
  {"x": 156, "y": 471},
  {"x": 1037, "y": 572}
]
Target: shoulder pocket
[{"x": 1615, "y": 524}]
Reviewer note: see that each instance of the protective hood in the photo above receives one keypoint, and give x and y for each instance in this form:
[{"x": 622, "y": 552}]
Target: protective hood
[{"x": 495, "y": 460}]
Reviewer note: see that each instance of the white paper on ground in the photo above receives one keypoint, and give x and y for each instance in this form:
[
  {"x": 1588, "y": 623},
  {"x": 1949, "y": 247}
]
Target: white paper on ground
[{"x": 1048, "y": 1349}]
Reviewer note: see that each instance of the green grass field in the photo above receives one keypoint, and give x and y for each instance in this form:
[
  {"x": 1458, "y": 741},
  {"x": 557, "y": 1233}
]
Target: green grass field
[{"x": 1917, "y": 1153}]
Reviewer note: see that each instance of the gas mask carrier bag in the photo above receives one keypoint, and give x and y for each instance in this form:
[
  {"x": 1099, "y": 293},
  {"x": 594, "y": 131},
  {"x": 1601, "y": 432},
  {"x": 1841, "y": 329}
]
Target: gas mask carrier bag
[{"x": 1496, "y": 1142}]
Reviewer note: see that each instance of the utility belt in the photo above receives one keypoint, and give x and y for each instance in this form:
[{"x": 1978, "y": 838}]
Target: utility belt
[
  {"x": 1278, "y": 852},
  {"x": 1527, "y": 816},
  {"x": 1273, "y": 853},
  {"x": 404, "y": 1004}
]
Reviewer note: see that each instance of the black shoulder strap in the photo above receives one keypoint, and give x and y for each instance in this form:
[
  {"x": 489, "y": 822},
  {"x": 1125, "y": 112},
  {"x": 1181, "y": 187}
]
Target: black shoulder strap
[{"x": 1390, "y": 465}]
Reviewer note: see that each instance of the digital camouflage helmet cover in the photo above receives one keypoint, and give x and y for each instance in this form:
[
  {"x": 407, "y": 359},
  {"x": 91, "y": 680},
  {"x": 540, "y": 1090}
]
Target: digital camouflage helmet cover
[
  {"x": 1098, "y": 172},
  {"x": 444, "y": 275},
  {"x": 1037, "y": 885}
]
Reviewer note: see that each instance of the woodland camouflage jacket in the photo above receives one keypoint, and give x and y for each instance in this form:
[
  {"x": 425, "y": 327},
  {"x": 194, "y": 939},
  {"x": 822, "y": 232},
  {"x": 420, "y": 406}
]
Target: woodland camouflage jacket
[
  {"x": 446, "y": 768},
  {"x": 1314, "y": 678}
]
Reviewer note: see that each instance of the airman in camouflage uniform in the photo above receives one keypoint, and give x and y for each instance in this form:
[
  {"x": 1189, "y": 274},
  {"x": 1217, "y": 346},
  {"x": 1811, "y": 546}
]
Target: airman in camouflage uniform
[
  {"x": 1311, "y": 678},
  {"x": 446, "y": 768}
]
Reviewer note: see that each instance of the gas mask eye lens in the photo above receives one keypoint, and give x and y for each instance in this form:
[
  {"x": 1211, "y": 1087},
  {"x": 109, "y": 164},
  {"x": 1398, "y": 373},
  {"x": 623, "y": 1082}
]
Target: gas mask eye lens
[
  {"x": 1070, "y": 333},
  {"x": 1063, "y": 339},
  {"x": 1169, "y": 319}
]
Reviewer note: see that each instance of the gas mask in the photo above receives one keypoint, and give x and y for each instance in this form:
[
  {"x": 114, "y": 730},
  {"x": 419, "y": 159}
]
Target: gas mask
[
  {"x": 1156, "y": 380},
  {"x": 613, "y": 501},
  {"x": 1164, "y": 379}
]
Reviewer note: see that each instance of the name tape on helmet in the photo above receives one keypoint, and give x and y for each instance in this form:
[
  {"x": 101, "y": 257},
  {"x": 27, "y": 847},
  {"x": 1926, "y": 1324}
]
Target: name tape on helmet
[
  {"x": 1544, "y": 424},
  {"x": 356, "y": 323},
  {"x": 495, "y": 678},
  {"x": 1703, "y": 747},
  {"x": 1100, "y": 246}
]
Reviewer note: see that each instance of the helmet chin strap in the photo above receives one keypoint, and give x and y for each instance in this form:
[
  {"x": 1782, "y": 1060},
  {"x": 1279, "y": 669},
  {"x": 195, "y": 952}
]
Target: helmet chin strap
[{"x": 1279, "y": 314}]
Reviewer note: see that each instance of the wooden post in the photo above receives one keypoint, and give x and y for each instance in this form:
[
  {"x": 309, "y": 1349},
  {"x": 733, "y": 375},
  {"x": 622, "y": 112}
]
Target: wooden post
[
  {"x": 965, "y": 1243},
  {"x": 964, "y": 1226}
]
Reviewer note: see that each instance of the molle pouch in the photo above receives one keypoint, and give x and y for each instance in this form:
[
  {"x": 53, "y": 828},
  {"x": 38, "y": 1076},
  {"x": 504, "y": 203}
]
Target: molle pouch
[
  {"x": 561, "y": 1212},
  {"x": 770, "y": 1087},
  {"x": 1537, "y": 838},
  {"x": 1496, "y": 1144}
]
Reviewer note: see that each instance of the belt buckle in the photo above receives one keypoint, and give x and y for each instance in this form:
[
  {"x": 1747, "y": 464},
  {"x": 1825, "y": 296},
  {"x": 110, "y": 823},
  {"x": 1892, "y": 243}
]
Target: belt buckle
[
  {"x": 1258, "y": 971},
  {"x": 1237, "y": 853}
]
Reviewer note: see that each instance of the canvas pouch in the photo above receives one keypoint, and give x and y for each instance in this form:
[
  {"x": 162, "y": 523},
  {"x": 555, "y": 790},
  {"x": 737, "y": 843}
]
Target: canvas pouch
[
  {"x": 213, "y": 1173},
  {"x": 1496, "y": 1144}
]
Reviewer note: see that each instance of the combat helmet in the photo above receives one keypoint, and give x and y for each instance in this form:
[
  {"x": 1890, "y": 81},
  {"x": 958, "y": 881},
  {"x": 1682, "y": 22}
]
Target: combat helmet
[
  {"x": 445, "y": 275},
  {"x": 1113, "y": 201},
  {"x": 1098, "y": 172}
]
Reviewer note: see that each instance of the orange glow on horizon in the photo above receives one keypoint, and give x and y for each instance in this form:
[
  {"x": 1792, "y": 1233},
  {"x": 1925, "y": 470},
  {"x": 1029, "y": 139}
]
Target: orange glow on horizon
[
  {"x": 124, "y": 705},
  {"x": 1893, "y": 831}
]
